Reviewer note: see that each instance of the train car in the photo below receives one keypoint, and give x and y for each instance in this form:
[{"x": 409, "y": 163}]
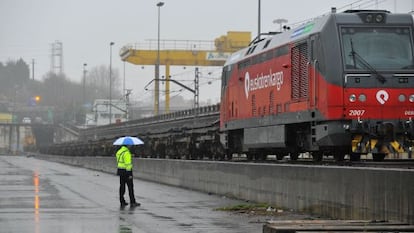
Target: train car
[
  {"x": 341, "y": 84},
  {"x": 187, "y": 134}
]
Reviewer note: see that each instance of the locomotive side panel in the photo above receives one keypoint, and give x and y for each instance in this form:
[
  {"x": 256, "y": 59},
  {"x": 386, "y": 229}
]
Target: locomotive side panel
[
  {"x": 312, "y": 97},
  {"x": 279, "y": 86}
]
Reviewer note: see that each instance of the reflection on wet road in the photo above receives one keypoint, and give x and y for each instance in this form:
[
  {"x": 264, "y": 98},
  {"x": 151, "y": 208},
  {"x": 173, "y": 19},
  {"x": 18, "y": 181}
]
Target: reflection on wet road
[{"x": 45, "y": 197}]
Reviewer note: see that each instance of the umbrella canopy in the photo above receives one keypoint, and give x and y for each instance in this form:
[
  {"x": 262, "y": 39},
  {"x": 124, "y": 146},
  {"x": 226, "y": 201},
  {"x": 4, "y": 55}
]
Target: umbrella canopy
[{"x": 128, "y": 141}]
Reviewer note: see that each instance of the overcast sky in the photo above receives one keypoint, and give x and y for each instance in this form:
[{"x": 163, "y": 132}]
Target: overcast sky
[{"x": 86, "y": 27}]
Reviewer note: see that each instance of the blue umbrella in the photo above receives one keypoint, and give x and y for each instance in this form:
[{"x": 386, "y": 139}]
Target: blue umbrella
[{"x": 128, "y": 141}]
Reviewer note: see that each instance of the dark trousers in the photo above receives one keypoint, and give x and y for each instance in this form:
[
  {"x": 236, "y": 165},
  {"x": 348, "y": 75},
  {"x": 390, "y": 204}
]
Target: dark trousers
[{"x": 125, "y": 177}]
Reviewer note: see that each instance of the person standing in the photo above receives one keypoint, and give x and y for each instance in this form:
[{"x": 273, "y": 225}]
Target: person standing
[{"x": 124, "y": 161}]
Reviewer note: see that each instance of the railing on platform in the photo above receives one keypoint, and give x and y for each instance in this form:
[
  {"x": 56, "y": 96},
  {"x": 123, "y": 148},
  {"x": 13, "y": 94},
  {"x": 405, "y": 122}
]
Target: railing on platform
[{"x": 151, "y": 44}]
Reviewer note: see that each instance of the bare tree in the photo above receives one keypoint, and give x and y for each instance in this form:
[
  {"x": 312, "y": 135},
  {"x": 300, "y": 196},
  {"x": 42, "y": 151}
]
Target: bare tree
[{"x": 97, "y": 83}]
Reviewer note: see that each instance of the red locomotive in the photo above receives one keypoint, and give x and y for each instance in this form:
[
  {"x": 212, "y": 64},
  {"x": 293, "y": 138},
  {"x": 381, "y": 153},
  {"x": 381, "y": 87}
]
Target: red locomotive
[{"x": 340, "y": 84}]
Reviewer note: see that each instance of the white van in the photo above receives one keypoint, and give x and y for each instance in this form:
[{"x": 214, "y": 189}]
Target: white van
[{"x": 26, "y": 120}]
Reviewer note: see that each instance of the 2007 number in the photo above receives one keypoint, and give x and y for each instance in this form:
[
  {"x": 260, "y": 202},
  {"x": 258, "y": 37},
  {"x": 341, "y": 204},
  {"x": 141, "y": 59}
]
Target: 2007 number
[{"x": 356, "y": 112}]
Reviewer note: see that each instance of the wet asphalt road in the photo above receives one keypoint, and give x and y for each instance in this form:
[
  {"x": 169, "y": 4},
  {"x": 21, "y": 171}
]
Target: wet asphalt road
[{"x": 44, "y": 197}]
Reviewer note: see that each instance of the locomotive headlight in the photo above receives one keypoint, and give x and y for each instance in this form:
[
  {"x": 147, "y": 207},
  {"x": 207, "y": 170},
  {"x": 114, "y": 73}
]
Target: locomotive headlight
[
  {"x": 379, "y": 18},
  {"x": 411, "y": 98},
  {"x": 352, "y": 98},
  {"x": 401, "y": 98},
  {"x": 362, "y": 98}
]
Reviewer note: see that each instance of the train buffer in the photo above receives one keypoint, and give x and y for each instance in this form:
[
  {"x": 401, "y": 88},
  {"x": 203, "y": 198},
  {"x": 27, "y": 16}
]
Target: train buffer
[{"x": 287, "y": 226}]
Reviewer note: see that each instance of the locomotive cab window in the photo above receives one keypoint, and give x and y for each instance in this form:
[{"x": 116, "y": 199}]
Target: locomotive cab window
[
  {"x": 225, "y": 75},
  {"x": 382, "y": 48}
]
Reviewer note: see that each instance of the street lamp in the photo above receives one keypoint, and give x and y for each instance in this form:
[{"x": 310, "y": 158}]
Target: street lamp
[
  {"x": 84, "y": 78},
  {"x": 157, "y": 67},
  {"x": 110, "y": 82},
  {"x": 123, "y": 84}
]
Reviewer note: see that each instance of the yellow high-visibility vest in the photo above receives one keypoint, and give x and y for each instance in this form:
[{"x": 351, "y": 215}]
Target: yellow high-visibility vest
[{"x": 124, "y": 158}]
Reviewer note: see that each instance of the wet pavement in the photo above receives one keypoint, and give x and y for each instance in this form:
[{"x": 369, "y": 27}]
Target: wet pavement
[{"x": 41, "y": 197}]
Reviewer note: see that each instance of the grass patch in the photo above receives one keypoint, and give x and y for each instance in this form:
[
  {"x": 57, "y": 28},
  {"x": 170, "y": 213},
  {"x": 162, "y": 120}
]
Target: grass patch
[{"x": 246, "y": 207}]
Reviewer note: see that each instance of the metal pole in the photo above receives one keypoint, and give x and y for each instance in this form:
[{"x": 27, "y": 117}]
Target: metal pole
[
  {"x": 33, "y": 63},
  {"x": 157, "y": 66},
  {"x": 196, "y": 91},
  {"x": 128, "y": 92},
  {"x": 110, "y": 82},
  {"x": 167, "y": 87},
  {"x": 84, "y": 86},
  {"x": 258, "y": 20},
  {"x": 123, "y": 85}
]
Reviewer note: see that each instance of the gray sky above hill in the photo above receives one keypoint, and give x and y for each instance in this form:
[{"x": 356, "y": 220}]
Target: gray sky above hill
[{"x": 86, "y": 27}]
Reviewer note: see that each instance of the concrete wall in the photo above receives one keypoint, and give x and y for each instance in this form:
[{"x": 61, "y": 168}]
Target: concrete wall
[{"x": 337, "y": 192}]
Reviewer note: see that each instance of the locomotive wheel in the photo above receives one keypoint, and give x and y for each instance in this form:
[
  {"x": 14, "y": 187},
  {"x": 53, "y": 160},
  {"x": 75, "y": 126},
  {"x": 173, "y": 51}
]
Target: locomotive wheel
[
  {"x": 218, "y": 151},
  {"x": 193, "y": 156},
  {"x": 229, "y": 156},
  {"x": 294, "y": 156},
  {"x": 218, "y": 156},
  {"x": 280, "y": 156},
  {"x": 378, "y": 156},
  {"x": 339, "y": 156},
  {"x": 260, "y": 156},
  {"x": 355, "y": 157},
  {"x": 317, "y": 156},
  {"x": 161, "y": 151}
]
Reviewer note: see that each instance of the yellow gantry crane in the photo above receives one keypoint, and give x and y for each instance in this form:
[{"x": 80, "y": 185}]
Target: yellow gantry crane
[{"x": 183, "y": 53}]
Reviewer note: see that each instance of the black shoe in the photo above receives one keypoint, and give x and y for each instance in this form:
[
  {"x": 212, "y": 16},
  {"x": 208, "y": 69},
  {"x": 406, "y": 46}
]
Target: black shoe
[
  {"x": 135, "y": 204},
  {"x": 123, "y": 204}
]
